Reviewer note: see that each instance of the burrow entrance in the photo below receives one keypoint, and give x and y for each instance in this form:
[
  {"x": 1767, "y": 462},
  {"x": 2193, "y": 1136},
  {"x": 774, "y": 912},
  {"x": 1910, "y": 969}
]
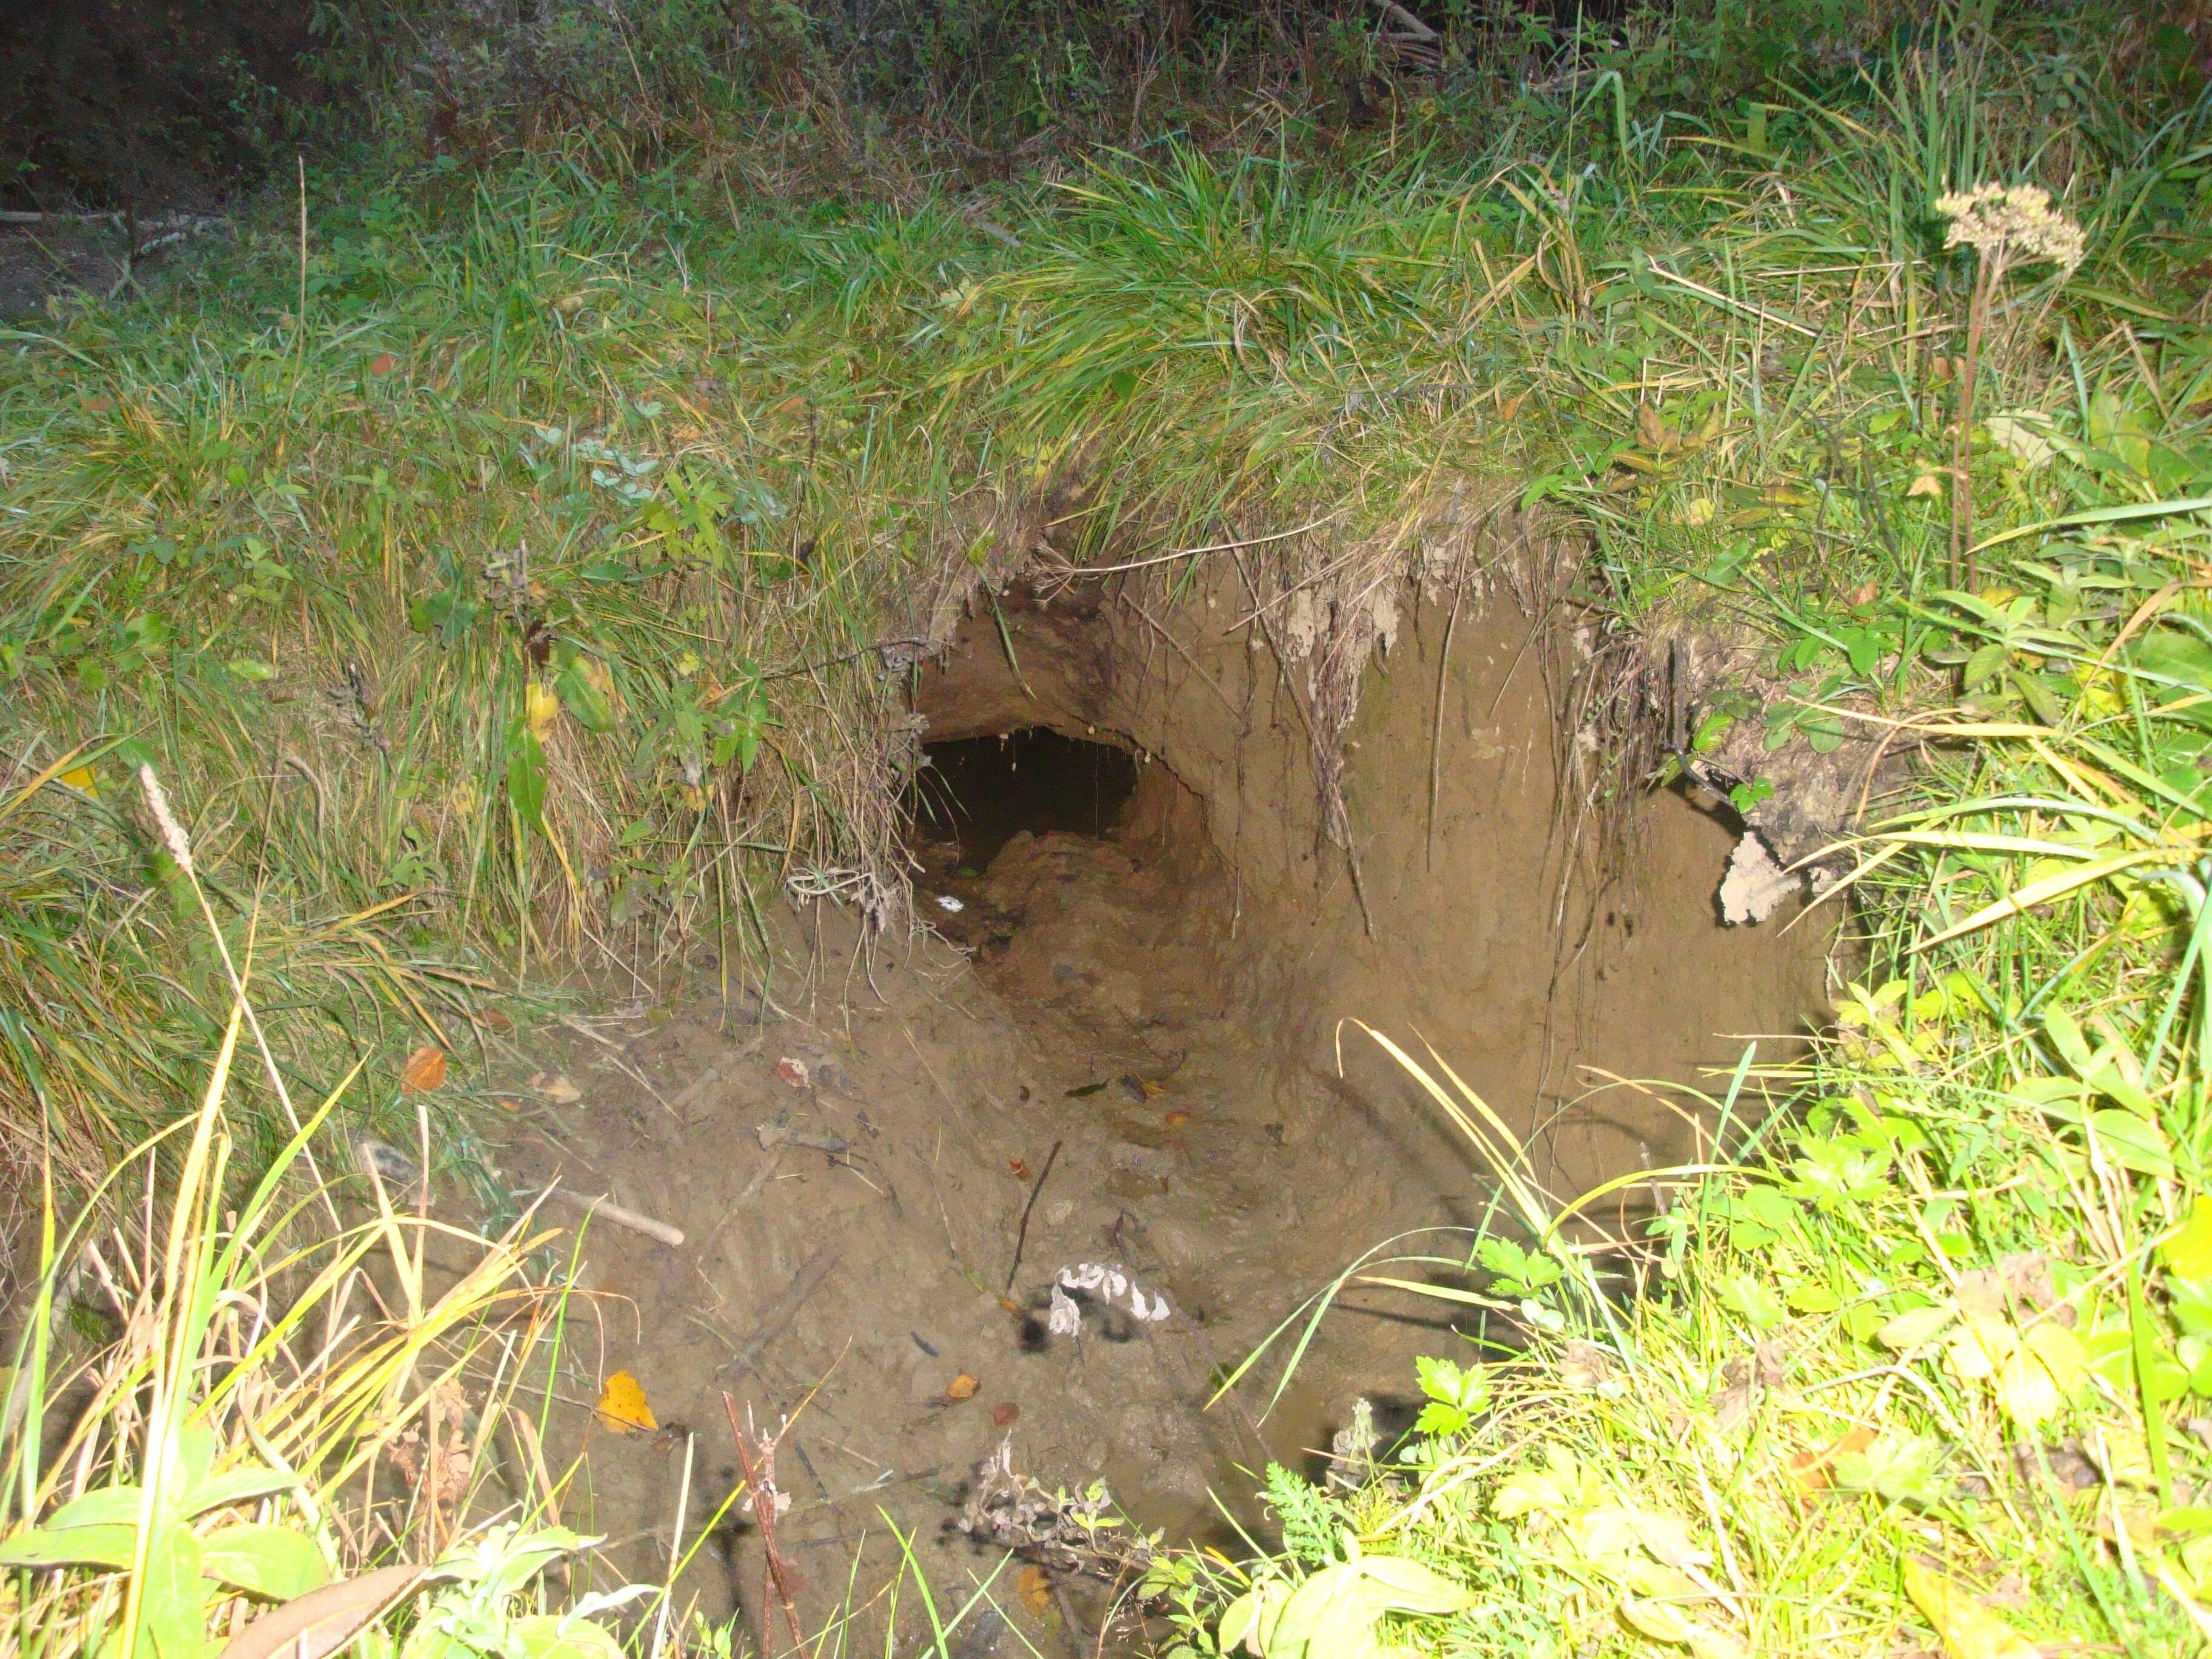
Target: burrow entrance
[
  {"x": 973, "y": 795},
  {"x": 1115, "y": 1046}
]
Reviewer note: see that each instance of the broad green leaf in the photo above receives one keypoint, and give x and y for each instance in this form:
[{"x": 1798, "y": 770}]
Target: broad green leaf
[
  {"x": 1326, "y": 1616},
  {"x": 94, "y": 1546},
  {"x": 195, "y": 1449},
  {"x": 1252, "y": 1617},
  {"x": 238, "y": 1487},
  {"x": 554, "y": 1636},
  {"x": 1913, "y": 1327},
  {"x": 174, "y": 1597},
  {"x": 109, "y": 1506},
  {"x": 580, "y": 695},
  {"x": 2066, "y": 1036},
  {"x": 270, "y": 1561},
  {"x": 2132, "y": 1144},
  {"x": 525, "y": 778},
  {"x": 1746, "y": 1295},
  {"x": 1983, "y": 663},
  {"x": 1398, "y": 1585},
  {"x": 2188, "y": 1254}
]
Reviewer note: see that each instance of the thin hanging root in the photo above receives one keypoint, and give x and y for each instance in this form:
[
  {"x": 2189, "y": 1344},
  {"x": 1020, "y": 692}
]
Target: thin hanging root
[{"x": 1436, "y": 725}]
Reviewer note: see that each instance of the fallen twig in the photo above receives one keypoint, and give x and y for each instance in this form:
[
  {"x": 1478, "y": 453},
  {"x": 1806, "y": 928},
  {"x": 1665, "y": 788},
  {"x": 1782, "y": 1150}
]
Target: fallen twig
[
  {"x": 620, "y": 1215},
  {"x": 771, "y": 1325},
  {"x": 773, "y": 1135}
]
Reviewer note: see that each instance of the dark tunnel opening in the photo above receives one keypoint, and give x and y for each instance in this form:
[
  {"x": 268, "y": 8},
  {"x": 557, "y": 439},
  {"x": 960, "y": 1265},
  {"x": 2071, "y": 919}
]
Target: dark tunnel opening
[{"x": 978, "y": 793}]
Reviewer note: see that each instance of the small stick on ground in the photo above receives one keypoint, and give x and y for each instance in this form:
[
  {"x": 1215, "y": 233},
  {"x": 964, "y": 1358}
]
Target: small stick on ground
[
  {"x": 619, "y": 1215},
  {"x": 1022, "y": 1233},
  {"x": 764, "y": 1517},
  {"x": 787, "y": 1306}
]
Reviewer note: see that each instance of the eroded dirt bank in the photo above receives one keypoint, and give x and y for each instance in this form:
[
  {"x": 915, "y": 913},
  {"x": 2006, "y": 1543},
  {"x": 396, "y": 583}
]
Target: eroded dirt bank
[{"x": 1142, "y": 989}]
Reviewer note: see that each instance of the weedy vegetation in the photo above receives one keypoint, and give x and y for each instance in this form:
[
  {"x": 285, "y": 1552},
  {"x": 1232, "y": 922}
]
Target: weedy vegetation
[{"x": 508, "y": 559}]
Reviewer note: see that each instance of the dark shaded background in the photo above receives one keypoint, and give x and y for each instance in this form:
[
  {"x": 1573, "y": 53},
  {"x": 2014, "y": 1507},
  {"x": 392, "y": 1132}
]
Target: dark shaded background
[{"x": 113, "y": 104}]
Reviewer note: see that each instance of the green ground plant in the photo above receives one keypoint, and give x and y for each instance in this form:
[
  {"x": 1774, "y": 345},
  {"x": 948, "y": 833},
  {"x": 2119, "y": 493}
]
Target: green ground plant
[{"x": 511, "y": 568}]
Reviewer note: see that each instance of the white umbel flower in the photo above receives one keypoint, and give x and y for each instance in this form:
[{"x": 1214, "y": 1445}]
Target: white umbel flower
[{"x": 2012, "y": 223}]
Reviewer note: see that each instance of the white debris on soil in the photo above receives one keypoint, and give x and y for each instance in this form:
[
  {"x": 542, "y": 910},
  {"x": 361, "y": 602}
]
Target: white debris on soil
[
  {"x": 1754, "y": 884},
  {"x": 1383, "y": 609},
  {"x": 1108, "y": 1284},
  {"x": 946, "y": 901}
]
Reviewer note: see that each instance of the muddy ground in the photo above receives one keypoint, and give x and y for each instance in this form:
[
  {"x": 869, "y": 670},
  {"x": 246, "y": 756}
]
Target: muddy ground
[{"x": 1125, "y": 985}]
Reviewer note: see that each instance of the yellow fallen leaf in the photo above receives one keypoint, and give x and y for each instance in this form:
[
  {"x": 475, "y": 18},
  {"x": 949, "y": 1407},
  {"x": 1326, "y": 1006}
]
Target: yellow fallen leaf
[
  {"x": 543, "y": 708},
  {"x": 81, "y": 778},
  {"x": 1969, "y": 1629},
  {"x": 1035, "y": 1589},
  {"x": 2059, "y": 1350},
  {"x": 1983, "y": 1343},
  {"x": 2026, "y": 1391},
  {"x": 1710, "y": 1642},
  {"x": 962, "y": 1386},
  {"x": 1663, "y": 1621},
  {"x": 2038, "y": 1377},
  {"x": 622, "y": 1406},
  {"x": 425, "y": 1069}
]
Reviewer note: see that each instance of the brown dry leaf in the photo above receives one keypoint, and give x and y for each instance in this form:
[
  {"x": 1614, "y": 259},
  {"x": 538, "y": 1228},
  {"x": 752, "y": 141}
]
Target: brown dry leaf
[
  {"x": 793, "y": 1071},
  {"x": 425, "y": 1069},
  {"x": 1648, "y": 432},
  {"x": 2027, "y": 1276},
  {"x": 2142, "y": 1525},
  {"x": 557, "y": 1088},
  {"x": 1809, "y": 1469},
  {"x": 324, "y": 1620},
  {"x": 1585, "y": 1366},
  {"x": 1969, "y": 1629},
  {"x": 1176, "y": 1120},
  {"x": 1035, "y": 1589},
  {"x": 494, "y": 1019},
  {"x": 962, "y": 1386},
  {"x": 1982, "y": 1292},
  {"x": 1019, "y": 1169},
  {"x": 622, "y": 1406},
  {"x": 1006, "y": 1414},
  {"x": 1928, "y": 483},
  {"x": 383, "y": 364}
]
